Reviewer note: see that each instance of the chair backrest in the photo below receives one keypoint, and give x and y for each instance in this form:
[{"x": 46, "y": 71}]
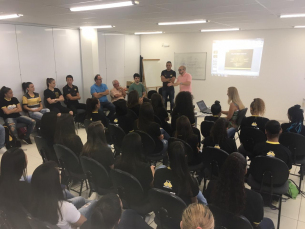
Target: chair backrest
[
  {"x": 117, "y": 135},
  {"x": 250, "y": 136},
  {"x": 45, "y": 149},
  {"x": 188, "y": 149},
  {"x": 150, "y": 93},
  {"x": 225, "y": 219},
  {"x": 167, "y": 206},
  {"x": 294, "y": 142},
  {"x": 157, "y": 120},
  {"x": 96, "y": 173},
  {"x": 68, "y": 160},
  {"x": 128, "y": 187},
  {"x": 160, "y": 90},
  {"x": 206, "y": 127},
  {"x": 269, "y": 170},
  {"x": 213, "y": 159},
  {"x": 132, "y": 114},
  {"x": 147, "y": 142},
  {"x": 241, "y": 114},
  {"x": 87, "y": 122}
]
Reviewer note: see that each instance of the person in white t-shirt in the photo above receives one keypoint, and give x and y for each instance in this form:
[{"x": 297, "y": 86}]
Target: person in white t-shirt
[{"x": 49, "y": 203}]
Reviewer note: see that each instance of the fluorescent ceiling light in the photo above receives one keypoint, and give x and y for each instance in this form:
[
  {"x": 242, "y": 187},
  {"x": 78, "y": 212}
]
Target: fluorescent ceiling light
[
  {"x": 97, "y": 27},
  {"x": 10, "y": 16},
  {"x": 183, "y": 22},
  {"x": 299, "y": 27},
  {"x": 291, "y": 15},
  {"x": 156, "y": 32},
  {"x": 105, "y": 6},
  {"x": 219, "y": 30}
]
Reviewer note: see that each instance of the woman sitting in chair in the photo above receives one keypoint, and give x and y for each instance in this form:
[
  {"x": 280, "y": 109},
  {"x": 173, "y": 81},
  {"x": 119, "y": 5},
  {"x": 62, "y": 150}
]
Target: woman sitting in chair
[
  {"x": 257, "y": 109},
  {"x": 94, "y": 113},
  {"x": 131, "y": 161},
  {"x": 216, "y": 112},
  {"x": 229, "y": 193},
  {"x": 160, "y": 111},
  {"x": 219, "y": 137},
  {"x": 296, "y": 118},
  {"x": 134, "y": 102}
]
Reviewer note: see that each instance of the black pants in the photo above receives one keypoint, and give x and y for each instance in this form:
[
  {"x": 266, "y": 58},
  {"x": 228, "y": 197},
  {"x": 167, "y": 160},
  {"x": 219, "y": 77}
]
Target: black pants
[
  {"x": 60, "y": 109},
  {"x": 78, "y": 117}
]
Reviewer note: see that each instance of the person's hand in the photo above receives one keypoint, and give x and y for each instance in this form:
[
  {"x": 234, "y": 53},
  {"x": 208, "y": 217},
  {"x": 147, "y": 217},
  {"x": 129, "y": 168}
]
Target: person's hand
[
  {"x": 161, "y": 137},
  {"x": 141, "y": 100},
  {"x": 79, "y": 97},
  {"x": 120, "y": 88},
  {"x": 152, "y": 167},
  {"x": 170, "y": 84}
]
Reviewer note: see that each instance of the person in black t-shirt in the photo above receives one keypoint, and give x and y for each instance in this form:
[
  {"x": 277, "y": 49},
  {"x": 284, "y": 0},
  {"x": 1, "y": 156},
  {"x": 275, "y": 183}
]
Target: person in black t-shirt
[
  {"x": 168, "y": 76},
  {"x": 71, "y": 96},
  {"x": 176, "y": 178},
  {"x": 257, "y": 108},
  {"x": 219, "y": 137},
  {"x": 229, "y": 193},
  {"x": 272, "y": 147},
  {"x": 216, "y": 112},
  {"x": 296, "y": 118},
  {"x": 122, "y": 117},
  {"x": 10, "y": 108},
  {"x": 131, "y": 161},
  {"x": 53, "y": 97},
  {"x": 134, "y": 102},
  {"x": 94, "y": 112},
  {"x": 96, "y": 146}
]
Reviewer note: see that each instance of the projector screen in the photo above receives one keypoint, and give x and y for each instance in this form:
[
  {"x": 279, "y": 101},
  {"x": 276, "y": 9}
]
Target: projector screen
[{"x": 237, "y": 57}]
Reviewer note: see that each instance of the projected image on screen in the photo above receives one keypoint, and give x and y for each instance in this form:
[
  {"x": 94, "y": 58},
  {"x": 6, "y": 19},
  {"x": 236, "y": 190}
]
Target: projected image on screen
[{"x": 237, "y": 57}]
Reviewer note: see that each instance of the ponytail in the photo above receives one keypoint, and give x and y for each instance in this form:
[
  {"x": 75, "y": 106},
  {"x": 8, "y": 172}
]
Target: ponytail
[
  {"x": 49, "y": 80},
  {"x": 3, "y": 91},
  {"x": 25, "y": 86}
]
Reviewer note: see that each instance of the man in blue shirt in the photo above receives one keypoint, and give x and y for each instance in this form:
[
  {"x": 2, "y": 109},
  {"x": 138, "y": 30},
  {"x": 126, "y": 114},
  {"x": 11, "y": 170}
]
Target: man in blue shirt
[{"x": 100, "y": 91}]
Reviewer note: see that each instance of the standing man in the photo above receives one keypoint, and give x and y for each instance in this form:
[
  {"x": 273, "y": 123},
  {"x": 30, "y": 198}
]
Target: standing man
[
  {"x": 71, "y": 96},
  {"x": 168, "y": 76},
  {"x": 117, "y": 92},
  {"x": 184, "y": 80},
  {"x": 139, "y": 87},
  {"x": 100, "y": 91}
]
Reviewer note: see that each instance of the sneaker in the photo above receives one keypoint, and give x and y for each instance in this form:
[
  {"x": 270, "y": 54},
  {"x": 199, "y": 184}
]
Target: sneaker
[
  {"x": 3, "y": 150},
  {"x": 27, "y": 141}
]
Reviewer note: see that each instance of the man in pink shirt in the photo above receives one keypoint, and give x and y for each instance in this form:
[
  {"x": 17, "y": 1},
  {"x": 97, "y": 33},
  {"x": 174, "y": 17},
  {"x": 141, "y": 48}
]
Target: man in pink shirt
[
  {"x": 117, "y": 92},
  {"x": 184, "y": 80}
]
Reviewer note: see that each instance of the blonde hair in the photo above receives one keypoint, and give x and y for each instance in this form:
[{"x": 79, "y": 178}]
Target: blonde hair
[
  {"x": 233, "y": 97},
  {"x": 258, "y": 106},
  {"x": 197, "y": 216}
]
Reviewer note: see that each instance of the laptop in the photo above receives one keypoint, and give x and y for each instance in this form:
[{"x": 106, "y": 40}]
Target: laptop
[{"x": 203, "y": 108}]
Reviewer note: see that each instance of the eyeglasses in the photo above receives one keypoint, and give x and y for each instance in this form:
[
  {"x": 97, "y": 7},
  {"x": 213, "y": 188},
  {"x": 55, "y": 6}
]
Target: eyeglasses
[{"x": 180, "y": 70}]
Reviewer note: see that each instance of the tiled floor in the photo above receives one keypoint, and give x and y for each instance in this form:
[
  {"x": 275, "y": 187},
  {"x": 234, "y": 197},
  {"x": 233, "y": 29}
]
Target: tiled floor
[{"x": 293, "y": 211}]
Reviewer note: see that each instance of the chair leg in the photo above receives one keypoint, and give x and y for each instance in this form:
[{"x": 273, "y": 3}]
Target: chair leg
[
  {"x": 301, "y": 177},
  {"x": 81, "y": 187},
  {"x": 279, "y": 216}
]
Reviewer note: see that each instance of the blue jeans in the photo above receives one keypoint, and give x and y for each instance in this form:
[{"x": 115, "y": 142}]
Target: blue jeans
[
  {"x": 110, "y": 107},
  {"x": 2, "y": 136},
  {"x": 231, "y": 132},
  {"x": 165, "y": 134},
  {"x": 37, "y": 115},
  {"x": 201, "y": 199},
  {"x": 170, "y": 92},
  {"x": 164, "y": 151},
  {"x": 12, "y": 122}
]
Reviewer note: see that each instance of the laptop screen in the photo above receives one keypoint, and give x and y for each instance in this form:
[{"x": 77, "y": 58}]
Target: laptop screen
[{"x": 201, "y": 105}]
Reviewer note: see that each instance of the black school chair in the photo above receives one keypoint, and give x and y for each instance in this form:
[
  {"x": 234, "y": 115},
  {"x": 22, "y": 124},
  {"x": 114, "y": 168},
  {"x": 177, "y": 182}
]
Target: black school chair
[
  {"x": 269, "y": 175},
  {"x": 117, "y": 135},
  {"x": 150, "y": 93},
  {"x": 225, "y": 219},
  {"x": 167, "y": 207},
  {"x": 130, "y": 191},
  {"x": 87, "y": 122},
  {"x": 45, "y": 149},
  {"x": 240, "y": 116},
  {"x": 157, "y": 120},
  {"x": 205, "y": 128}
]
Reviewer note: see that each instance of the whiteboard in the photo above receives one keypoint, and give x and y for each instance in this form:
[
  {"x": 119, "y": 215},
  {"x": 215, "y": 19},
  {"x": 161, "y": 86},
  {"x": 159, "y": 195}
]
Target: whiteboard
[
  {"x": 152, "y": 72},
  {"x": 195, "y": 63}
]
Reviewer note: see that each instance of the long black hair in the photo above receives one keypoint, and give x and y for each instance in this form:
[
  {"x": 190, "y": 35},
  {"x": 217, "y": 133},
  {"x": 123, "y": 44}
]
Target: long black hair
[
  {"x": 179, "y": 167},
  {"x": 157, "y": 101},
  {"x": 131, "y": 153},
  {"x": 3, "y": 91},
  {"x": 96, "y": 138},
  {"x": 184, "y": 105},
  {"x": 296, "y": 116},
  {"x": 229, "y": 192},
  {"x": 133, "y": 99},
  {"x": 146, "y": 116},
  {"x": 25, "y": 86},
  {"x": 184, "y": 128},
  {"x": 47, "y": 194},
  {"x": 65, "y": 129},
  {"x": 216, "y": 108},
  {"x": 90, "y": 106},
  {"x": 219, "y": 131}
]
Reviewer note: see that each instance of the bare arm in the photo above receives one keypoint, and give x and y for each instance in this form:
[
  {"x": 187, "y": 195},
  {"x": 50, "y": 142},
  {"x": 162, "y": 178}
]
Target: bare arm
[
  {"x": 225, "y": 112},
  {"x": 80, "y": 221},
  {"x": 164, "y": 80},
  {"x": 231, "y": 111},
  {"x": 61, "y": 98},
  {"x": 100, "y": 94},
  {"x": 7, "y": 111},
  {"x": 194, "y": 199},
  {"x": 172, "y": 80},
  {"x": 70, "y": 97},
  {"x": 51, "y": 101},
  {"x": 25, "y": 107}
]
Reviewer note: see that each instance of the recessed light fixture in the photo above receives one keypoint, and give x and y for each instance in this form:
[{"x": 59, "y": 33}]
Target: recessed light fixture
[
  {"x": 97, "y": 27},
  {"x": 156, "y": 32},
  {"x": 105, "y": 6},
  {"x": 219, "y": 30},
  {"x": 183, "y": 22},
  {"x": 299, "y": 27},
  {"x": 291, "y": 15},
  {"x": 10, "y": 16}
]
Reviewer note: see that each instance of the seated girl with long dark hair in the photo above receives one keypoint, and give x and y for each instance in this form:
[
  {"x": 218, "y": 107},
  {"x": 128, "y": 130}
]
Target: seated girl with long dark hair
[
  {"x": 230, "y": 194},
  {"x": 160, "y": 111},
  {"x": 296, "y": 119},
  {"x": 134, "y": 102},
  {"x": 94, "y": 113},
  {"x": 219, "y": 137}
]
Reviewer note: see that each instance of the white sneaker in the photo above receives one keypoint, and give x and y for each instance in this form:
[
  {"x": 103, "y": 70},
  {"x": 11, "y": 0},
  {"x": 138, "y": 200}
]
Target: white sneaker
[{"x": 3, "y": 150}]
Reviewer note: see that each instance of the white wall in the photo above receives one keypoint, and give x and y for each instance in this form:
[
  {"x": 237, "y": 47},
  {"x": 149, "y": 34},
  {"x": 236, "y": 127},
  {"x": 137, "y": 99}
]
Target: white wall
[
  {"x": 32, "y": 53},
  {"x": 281, "y": 83}
]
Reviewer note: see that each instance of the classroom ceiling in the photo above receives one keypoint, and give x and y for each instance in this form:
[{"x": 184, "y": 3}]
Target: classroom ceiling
[{"x": 244, "y": 14}]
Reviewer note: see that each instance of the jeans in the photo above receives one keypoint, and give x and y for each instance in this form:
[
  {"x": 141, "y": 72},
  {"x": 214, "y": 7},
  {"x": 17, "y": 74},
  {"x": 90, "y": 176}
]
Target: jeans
[
  {"x": 165, "y": 134},
  {"x": 201, "y": 199},
  {"x": 110, "y": 107},
  {"x": 168, "y": 91},
  {"x": 12, "y": 122},
  {"x": 164, "y": 151},
  {"x": 37, "y": 115},
  {"x": 2, "y": 136},
  {"x": 231, "y": 132}
]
